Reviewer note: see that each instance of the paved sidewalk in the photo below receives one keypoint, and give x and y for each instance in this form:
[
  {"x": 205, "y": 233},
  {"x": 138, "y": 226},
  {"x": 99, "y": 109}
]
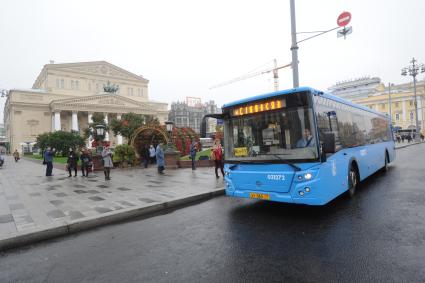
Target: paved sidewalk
[{"x": 35, "y": 207}]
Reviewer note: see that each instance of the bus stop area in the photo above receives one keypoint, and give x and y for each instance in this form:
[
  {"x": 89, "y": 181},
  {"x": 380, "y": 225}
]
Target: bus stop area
[{"x": 34, "y": 207}]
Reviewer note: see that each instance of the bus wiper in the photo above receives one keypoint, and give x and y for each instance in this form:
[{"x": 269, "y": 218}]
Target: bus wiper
[
  {"x": 296, "y": 168},
  {"x": 231, "y": 167}
]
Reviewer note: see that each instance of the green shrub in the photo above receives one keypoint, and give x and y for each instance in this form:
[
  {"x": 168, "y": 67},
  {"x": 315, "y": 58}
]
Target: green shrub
[{"x": 124, "y": 152}]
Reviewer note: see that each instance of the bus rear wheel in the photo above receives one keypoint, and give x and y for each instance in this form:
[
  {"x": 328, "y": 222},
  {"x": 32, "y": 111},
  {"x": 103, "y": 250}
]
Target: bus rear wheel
[{"x": 353, "y": 181}]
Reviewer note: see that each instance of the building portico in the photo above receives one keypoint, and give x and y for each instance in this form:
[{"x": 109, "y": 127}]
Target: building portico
[{"x": 29, "y": 113}]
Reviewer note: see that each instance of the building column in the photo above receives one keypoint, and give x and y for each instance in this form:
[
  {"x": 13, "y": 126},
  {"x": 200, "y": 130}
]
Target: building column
[
  {"x": 57, "y": 121},
  {"x": 74, "y": 126},
  {"x": 106, "y": 122},
  {"x": 90, "y": 120},
  {"x": 53, "y": 122},
  {"x": 119, "y": 136},
  {"x": 403, "y": 112}
]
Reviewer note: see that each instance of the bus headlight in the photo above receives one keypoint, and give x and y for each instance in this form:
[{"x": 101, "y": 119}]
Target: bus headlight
[
  {"x": 307, "y": 189},
  {"x": 308, "y": 176}
]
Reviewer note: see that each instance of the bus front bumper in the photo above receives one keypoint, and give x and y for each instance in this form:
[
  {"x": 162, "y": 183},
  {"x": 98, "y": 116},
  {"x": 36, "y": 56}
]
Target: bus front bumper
[{"x": 289, "y": 197}]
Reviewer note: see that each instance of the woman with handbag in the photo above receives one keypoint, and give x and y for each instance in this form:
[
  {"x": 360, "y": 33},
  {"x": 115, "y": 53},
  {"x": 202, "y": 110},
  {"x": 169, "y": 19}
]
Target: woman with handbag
[
  {"x": 72, "y": 162},
  {"x": 107, "y": 162}
]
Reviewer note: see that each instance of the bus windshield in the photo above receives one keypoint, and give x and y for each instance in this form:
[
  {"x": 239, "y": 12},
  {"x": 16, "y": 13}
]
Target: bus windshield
[{"x": 283, "y": 134}]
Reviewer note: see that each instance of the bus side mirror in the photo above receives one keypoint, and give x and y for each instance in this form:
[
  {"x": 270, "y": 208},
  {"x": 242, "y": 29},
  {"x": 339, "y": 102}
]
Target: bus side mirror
[{"x": 328, "y": 145}]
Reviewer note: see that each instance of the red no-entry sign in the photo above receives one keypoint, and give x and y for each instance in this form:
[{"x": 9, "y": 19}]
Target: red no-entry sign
[{"x": 343, "y": 19}]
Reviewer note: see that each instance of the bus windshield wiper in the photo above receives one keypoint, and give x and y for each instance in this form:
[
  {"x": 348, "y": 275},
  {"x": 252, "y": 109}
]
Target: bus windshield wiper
[
  {"x": 296, "y": 168},
  {"x": 231, "y": 167}
]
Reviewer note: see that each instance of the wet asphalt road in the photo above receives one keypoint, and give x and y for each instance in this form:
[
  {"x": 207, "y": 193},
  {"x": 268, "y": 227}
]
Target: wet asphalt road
[{"x": 379, "y": 236}]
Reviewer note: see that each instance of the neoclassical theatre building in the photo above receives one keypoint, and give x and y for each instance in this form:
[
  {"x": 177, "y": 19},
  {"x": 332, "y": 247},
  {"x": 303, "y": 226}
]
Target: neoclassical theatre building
[{"x": 65, "y": 96}]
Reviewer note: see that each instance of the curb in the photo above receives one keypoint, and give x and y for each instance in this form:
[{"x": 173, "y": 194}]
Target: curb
[
  {"x": 407, "y": 145},
  {"x": 70, "y": 227}
]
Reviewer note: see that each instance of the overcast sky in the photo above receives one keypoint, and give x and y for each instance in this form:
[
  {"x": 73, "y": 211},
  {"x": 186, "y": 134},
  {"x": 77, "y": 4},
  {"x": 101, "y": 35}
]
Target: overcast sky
[{"x": 184, "y": 47}]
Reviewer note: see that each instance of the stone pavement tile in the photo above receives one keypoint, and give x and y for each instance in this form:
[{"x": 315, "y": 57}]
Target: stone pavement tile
[
  {"x": 7, "y": 218},
  {"x": 4, "y": 207},
  {"x": 56, "y": 202},
  {"x": 23, "y": 219},
  {"x": 96, "y": 198},
  {"x": 56, "y": 213},
  {"x": 8, "y": 228},
  {"x": 12, "y": 197},
  {"x": 73, "y": 214},
  {"x": 19, "y": 212},
  {"x": 102, "y": 209},
  {"x": 15, "y": 206},
  {"x": 24, "y": 227}
]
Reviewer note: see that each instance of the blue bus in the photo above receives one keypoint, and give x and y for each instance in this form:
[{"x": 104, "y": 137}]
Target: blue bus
[{"x": 302, "y": 146}]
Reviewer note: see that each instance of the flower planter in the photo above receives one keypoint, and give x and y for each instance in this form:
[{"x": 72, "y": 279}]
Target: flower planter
[{"x": 199, "y": 163}]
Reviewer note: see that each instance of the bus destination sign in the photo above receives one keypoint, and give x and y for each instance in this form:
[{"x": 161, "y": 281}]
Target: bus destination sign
[{"x": 259, "y": 107}]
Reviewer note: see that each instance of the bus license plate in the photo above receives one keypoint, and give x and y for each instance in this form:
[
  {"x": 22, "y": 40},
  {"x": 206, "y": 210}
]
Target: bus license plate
[{"x": 259, "y": 196}]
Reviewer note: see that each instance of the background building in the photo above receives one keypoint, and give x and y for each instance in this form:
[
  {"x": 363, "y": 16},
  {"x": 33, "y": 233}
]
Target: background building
[
  {"x": 191, "y": 113},
  {"x": 372, "y": 93},
  {"x": 65, "y": 96},
  {"x": 403, "y": 113},
  {"x": 357, "y": 88}
]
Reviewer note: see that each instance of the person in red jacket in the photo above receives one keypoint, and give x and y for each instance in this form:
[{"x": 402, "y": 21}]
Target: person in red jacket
[{"x": 217, "y": 156}]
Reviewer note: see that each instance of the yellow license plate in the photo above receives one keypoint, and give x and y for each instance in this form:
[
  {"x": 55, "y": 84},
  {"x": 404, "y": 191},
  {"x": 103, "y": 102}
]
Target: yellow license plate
[{"x": 259, "y": 196}]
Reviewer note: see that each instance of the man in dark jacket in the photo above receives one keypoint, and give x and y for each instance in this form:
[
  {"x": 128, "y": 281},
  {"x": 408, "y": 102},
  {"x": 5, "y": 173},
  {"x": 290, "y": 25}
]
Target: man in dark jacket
[
  {"x": 48, "y": 160},
  {"x": 145, "y": 155},
  {"x": 86, "y": 162},
  {"x": 193, "y": 149}
]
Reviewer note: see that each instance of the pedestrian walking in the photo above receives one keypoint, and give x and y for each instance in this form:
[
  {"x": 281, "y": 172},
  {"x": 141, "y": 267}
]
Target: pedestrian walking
[
  {"x": 193, "y": 149},
  {"x": 107, "y": 162},
  {"x": 152, "y": 154},
  {"x": 72, "y": 162},
  {"x": 217, "y": 156},
  {"x": 1, "y": 159},
  {"x": 86, "y": 162},
  {"x": 48, "y": 160},
  {"x": 160, "y": 162},
  {"x": 16, "y": 155},
  {"x": 422, "y": 137},
  {"x": 145, "y": 154}
]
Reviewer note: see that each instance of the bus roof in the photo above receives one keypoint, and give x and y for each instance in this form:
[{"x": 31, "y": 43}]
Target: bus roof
[{"x": 299, "y": 89}]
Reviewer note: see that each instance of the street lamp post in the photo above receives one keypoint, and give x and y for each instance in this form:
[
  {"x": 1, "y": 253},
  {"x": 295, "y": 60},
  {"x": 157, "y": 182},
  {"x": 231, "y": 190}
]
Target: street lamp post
[
  {"x": 169, "y": 126},
  {"x": 413, "y": 70},
  {"x": 294, "y": 46},
  {"x": 100, "y": 135},
  {"x": 389, "y": 102}
]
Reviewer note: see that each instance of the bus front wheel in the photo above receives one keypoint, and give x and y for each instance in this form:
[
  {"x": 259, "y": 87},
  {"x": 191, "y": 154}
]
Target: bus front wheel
[
  {"x": 353, "y": 180},
  {"x": 385, "y": 168}
]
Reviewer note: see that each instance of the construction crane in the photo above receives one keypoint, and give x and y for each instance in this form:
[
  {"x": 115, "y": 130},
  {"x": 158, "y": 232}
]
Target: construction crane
[{"x": 274, "y": 70}]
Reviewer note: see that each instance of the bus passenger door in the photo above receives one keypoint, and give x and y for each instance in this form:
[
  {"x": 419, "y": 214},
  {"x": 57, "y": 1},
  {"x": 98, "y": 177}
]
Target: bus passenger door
[{"x": 334, "y": 170}]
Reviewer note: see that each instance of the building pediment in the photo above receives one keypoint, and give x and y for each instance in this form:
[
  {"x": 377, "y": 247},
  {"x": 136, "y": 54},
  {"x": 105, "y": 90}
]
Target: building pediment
[
  {"x": 113, "y": 103},
  {"x": 97, "y": 68}
]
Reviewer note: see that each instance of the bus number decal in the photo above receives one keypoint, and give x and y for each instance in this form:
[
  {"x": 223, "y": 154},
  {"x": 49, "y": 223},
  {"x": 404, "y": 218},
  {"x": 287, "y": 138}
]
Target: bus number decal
[{"x": 275, "y": 177}]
